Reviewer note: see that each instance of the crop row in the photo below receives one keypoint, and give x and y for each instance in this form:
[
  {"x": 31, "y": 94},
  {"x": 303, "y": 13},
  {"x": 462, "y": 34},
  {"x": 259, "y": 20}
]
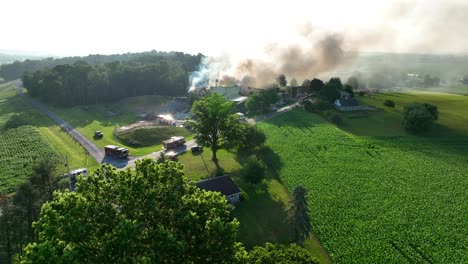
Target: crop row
[
  {"x": 376, "y": 200},
  {"x": 20, "y": 148}
]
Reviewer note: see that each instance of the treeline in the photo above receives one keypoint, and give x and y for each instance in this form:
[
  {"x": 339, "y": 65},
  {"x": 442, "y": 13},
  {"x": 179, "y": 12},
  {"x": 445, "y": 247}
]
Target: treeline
[
  {"x": 83, "y": 83},
  {"x": 16, "y": 69}
]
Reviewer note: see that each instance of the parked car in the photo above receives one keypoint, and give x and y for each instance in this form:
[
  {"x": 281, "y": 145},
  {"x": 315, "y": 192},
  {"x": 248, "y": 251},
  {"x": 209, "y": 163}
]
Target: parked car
[
  {"x": 197, "y": 149},
  {"x": 98, "y": 134}
]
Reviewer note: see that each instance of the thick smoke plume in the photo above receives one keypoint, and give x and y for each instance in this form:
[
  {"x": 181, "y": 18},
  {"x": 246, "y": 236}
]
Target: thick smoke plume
[{"x": 406, "y": 26}]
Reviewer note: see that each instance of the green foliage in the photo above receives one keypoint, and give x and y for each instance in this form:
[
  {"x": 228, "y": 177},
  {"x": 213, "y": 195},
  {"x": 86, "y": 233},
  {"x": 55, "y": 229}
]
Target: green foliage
[
  {"x": 21, "y": 147},
  {"x": 260, "y": 103},
  {"x": 215, "y": 125},
  {"x": 419, "y": 118},
  {"x": 281, "y": 80},
  {"x": 389, "y": 103},
  {"x": 317, "y": 106},
  {"x": 316, "y": 85},
  {"x": 330, "y": 92},
  {"x": 18, "y": 68},
  {"x": 149, "y": 136},
  {"x": 395, "y": 193},
  {"x": 152, "y": 214},
  {"x": 252, "y": 137},
  {"x": 333, "y": 116},
  {"x": 18, "y": 212},
  {"x": 253, "y": 170},
  {"x": 298, "y": 215},
  {"x": 277, "y": 253},
  {"x": 349, "y": 89},
  {"x": 82, "y": 83}
]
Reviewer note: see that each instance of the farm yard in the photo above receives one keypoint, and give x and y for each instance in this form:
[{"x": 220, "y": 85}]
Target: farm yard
[{"x": 376, "y": 199}]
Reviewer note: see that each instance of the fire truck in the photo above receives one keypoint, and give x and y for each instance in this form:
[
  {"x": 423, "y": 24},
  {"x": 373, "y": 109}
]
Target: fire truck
[
  {"x": 116, "y": 151},
  {"x": 173, "y": 142}
]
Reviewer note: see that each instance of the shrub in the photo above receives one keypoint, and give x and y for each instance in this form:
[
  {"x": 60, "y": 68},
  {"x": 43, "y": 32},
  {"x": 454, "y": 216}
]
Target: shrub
[
  {"x": 309, "y": 106},
  {"x": 317, "y": 106},
  {"x": 253, "y": 170},
  {"x": 419, "y": 118},
  {"x": 389, "y": 103}
]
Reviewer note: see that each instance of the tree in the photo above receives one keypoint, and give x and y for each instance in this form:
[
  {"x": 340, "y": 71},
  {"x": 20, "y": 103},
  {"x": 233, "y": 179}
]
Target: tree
[
  {"x": 330, "y": 92},
  {"x": 389, "y": 103},
  {"x": 349, "y": 89},
  {"x": 336, "y": 81},
  {"x": 252, "y": 137},
  {"x": 419, "y": 118},
  {"x": 298, "y": 218},
  {"x": 316, "y": 85},
  {"x": 215, "y": 125},
  {"x": 281, "y": 81},
  {"x": 277, "y": 253},
  {"x": 259, "y": 103},
  {"x": 253, "y": 170},
  {"x": 305, "y": 83},
  {"x": 152, "y": 214},
  {"x": 293, "y": 82}
]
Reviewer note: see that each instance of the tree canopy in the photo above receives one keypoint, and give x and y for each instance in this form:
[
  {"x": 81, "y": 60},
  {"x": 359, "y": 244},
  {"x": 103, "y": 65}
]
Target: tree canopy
[
  {"x": 216, "y": 126},
  {"x": 152, "y": 214},
  {"x": 298, "y": 217},
  {"x": 260, "y": 103},
  {"x": 419, "y": 118},
  {"x": 83, "y": 83},
  {"x": 18, "y": 68}
]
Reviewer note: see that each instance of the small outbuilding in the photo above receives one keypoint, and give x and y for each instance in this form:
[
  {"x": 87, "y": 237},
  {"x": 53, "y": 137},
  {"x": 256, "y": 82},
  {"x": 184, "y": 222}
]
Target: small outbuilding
[
  {"x": 222, "y": 184},
  {"x": 347, "y": 104}
]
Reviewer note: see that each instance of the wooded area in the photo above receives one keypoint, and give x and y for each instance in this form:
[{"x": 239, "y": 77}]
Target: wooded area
[{"x": 84, "y": 83}]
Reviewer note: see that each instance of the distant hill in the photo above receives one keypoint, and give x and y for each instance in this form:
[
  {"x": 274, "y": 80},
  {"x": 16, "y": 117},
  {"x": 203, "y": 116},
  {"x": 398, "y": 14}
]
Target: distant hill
[
  {"x": 16, "y": 69},
  {"x": 6, "y": 58}
]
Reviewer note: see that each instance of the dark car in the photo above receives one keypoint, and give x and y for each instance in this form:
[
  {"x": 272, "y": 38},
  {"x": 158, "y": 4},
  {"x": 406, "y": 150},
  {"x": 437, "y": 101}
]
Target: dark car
[
  {"x": 98, "y": 134},
  {"x": 197, "y": 149}
]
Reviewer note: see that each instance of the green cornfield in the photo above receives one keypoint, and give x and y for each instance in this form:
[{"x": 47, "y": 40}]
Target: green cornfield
[
  {"x": 376, "y": 199},
  {"x": 20, "y": 148}
]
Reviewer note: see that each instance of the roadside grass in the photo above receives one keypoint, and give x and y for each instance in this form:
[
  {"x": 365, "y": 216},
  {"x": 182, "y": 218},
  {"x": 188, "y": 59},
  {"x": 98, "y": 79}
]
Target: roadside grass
[
  {"x": 462, "y": 89},
  {"x": 377, "y": 199},
  {"x": 107, "y": 117},
  {"x": 262, "y": 212},
  {"x": 15, "y": 112}
]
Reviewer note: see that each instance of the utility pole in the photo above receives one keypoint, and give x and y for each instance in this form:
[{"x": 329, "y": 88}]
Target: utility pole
[{"x": 68, "y": 173}]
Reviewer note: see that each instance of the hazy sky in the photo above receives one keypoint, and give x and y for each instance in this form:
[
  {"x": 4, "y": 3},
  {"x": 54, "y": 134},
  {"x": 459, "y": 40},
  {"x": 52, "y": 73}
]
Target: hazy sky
[{"x": 213, "y": 27}]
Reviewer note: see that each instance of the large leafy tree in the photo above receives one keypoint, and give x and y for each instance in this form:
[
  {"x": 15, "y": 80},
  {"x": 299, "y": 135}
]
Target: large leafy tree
[
  {"x": 260, "y": 103},
  {"x": 298, "y": 218},
  {"x": 215, "y": 126},
  {"x": 151, "y": 215}
]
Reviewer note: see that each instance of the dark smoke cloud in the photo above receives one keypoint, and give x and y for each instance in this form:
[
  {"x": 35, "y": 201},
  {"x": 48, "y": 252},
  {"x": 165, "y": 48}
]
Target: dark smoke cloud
[{"x": 429, "y": 26}]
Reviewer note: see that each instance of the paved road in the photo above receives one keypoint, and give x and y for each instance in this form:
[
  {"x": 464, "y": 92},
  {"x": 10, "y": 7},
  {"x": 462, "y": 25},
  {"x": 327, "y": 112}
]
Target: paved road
[
  {"x": 97, "y": 153},
  {"x": 93, "y": 150}
]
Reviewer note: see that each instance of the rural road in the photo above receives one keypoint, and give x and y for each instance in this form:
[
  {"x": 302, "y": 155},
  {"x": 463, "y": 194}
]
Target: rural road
[
  {"x": 98, "y": 153},
  {"x": 93, "y": 150}
]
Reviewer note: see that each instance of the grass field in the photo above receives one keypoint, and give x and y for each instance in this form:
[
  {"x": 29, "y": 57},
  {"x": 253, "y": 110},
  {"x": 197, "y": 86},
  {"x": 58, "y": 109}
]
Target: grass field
[
  {"x": 261, "y": 213},
  {"x": 453, "y": 111},
  {"x": 379, "y": 198},
  {"x": 97, "y": 118},
  {"x": 31, "y": 135},
  {"x": 150, "y": 136}
]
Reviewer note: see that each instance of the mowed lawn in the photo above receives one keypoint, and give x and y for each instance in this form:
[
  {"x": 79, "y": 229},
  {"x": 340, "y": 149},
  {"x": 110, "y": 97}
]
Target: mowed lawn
[
  {"x": 262, "y": 213},
  {"x": 380, "y": 199},
  {"x": 107, "y": 117},
  {"x": 28, "y": 136},
  {"x": 453, "y": 113}
]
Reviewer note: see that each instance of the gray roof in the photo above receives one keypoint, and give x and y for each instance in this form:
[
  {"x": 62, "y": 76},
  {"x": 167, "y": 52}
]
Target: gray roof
[
  {"x": 222, "y": 184},
  {"x": 349, "y": 102}
]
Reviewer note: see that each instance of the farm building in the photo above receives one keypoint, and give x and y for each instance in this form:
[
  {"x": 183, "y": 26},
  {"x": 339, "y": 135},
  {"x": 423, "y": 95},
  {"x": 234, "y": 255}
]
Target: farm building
[
  {"x": 344, "y": 95},
  {"x": 347, "y": 104},
  {"x": 222, "y": 184}
]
